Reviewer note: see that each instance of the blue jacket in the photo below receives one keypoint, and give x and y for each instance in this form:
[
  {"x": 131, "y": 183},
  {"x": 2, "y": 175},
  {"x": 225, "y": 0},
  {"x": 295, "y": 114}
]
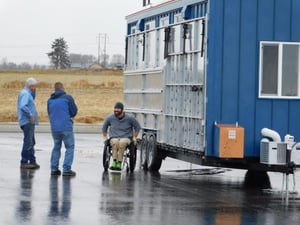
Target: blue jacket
[
  {"x": 26, "y": 107},
  {"x": 121, "y": 128},
  {"x": 61, "y": 108}
]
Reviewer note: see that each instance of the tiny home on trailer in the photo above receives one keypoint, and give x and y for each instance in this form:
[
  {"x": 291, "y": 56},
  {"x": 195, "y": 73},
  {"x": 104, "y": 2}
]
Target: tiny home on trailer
[{"x": 205, "y": 77}]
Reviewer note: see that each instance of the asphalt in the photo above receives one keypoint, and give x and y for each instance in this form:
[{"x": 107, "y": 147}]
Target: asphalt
[
  {"x": 180, "y": 193},
  {"x": 44, "y": 127}
]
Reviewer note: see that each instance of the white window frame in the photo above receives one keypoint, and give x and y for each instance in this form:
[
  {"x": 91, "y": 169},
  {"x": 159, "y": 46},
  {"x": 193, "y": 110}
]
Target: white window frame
[{"x": 279, "y": 70}]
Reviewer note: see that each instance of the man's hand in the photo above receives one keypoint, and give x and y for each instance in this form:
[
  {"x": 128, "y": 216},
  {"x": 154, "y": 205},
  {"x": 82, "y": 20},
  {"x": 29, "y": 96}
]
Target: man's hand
[
  {"x": 134, "y": 140},
  {"x": 105, "y": 139},
  {"x": 31, "y": 119}
]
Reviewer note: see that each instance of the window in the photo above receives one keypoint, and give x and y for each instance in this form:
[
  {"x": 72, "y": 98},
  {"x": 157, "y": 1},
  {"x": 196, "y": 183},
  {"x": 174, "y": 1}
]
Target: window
[{"x": 279, "y": 70}]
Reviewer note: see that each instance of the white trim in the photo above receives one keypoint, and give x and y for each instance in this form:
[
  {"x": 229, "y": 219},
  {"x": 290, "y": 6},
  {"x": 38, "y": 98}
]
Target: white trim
[
  {"x": 260, "y": 68},
  {"x": 140, "y": 91},
  {"x": 298, "y": 91},
  {"x": 279, "y": 70},
  {"x": 279, "y": 42},
  {"x": 143, "y": 71},
  {"x": 279, "y": 97},
  {"x": 137, "y": 32}
]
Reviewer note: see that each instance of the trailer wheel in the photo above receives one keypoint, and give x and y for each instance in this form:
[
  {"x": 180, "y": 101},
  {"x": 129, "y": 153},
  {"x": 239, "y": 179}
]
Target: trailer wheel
[
  {"x": 153, "y": 160},
  {"x": 143, "y": 157}
]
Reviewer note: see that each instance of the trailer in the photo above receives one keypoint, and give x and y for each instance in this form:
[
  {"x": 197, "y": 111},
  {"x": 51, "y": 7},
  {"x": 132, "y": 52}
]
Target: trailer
[{"x": 216, "y": 82}]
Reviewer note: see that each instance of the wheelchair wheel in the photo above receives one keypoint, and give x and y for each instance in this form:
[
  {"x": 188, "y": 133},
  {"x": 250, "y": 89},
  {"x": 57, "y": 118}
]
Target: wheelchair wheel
[
  {"x": 132, "y": 157},
  {"x": 106, "y": 156}
]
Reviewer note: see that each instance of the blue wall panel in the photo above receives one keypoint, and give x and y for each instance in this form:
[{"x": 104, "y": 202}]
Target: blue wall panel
[
  {"x": 247, "y": 67},
  {"x": 280, "y": 119},
  {"x": 295, "y": 18},
  {"x": 282, "y": 20},
  {"x": 230, "y": 82},
  {"x": 235, "y": 30},
  {"x": 214, "y": 78},
  {"x": 262, "y": 119},
  {"x": 265, "y": 26},
  {"x": 294, "y": 114}
]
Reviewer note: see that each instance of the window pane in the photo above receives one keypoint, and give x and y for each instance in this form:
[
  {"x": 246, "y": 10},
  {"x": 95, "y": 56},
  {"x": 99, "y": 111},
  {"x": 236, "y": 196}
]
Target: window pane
[
  {"x": 290, "y": 70},
  {"x": 270, "y": 69}
]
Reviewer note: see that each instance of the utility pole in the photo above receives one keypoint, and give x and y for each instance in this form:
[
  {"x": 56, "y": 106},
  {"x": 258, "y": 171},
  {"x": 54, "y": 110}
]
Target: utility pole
[
  {"x": 104, "y": 52},
  {"x": 102, "y": 35},
  {"x": 99, "y": 50}
]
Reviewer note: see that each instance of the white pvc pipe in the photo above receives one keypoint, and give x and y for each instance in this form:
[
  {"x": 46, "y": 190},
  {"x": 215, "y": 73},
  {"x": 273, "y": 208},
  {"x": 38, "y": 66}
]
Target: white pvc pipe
[
  {"x": 265, "y": 140},
  {"x": 266, "y": 132}
]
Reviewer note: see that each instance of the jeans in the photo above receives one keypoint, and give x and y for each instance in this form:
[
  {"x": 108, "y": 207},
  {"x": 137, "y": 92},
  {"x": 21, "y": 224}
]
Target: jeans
[
  {"x": 27, "y": 154},
  {"x": 68, "y": 138}
]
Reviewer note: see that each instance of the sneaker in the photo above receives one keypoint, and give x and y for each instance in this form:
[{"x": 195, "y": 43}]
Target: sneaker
[
  {"x": 55, "y": 172},
  {"x": 69, "y": 173},
  {"x": 119, "y": 166},
  {"x": 114, "y": 165},
  {"x": 30, "y": 166}
]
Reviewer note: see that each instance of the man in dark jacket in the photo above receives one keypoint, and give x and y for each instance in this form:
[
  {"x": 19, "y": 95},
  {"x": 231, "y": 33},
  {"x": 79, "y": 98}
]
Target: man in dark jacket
[{"x": 61, "y": 109}]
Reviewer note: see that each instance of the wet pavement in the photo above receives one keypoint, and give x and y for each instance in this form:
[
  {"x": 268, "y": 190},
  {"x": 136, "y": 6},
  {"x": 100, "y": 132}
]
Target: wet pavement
[{"x": 180, "y": 193}]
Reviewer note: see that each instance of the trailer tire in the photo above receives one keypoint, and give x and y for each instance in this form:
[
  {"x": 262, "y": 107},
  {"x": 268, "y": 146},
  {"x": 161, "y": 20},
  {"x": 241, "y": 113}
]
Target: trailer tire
[
  {"x": 154, "y": 160},
  {"x": 144, "y": 154}
]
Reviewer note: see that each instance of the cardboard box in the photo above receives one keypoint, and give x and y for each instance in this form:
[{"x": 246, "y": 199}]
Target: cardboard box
[{"x": 229, "y": 141}]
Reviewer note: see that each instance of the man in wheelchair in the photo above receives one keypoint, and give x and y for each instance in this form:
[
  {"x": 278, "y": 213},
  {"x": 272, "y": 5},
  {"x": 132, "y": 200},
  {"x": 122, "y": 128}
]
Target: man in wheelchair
[{"x": 122, "y": 129}]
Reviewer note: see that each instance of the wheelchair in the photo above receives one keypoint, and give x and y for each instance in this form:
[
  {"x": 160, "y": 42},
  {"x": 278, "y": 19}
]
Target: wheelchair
[{"x": 129, "y": 158}]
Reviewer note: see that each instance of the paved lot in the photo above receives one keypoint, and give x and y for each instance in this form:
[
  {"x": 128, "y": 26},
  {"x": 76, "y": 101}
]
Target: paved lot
[{"x": 96, "y": 197}]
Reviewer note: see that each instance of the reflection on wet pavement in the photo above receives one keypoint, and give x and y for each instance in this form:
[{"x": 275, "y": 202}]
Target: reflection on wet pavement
[
  {"x": 24, "y": 208},
  {"x": 60, "y": 205}
]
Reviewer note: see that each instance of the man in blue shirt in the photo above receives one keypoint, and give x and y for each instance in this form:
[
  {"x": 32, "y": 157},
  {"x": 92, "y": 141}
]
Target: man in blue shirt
[
  {"x": 122, "y": 128},
  {"x": 28, "y": 118},
  {"x": 61, "y": 109}
]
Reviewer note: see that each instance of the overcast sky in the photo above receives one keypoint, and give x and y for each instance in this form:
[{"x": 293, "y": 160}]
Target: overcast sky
[{"x": 28, "y": 27}]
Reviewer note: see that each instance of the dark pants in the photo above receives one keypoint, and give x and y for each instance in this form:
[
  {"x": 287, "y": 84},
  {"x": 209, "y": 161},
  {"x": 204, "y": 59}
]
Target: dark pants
[{"x": 27, "y": 153}]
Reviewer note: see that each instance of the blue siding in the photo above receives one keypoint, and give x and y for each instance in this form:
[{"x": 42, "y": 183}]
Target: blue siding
[
  {"x": 214, "y": 75},
  {"x": 247, "y": 67},
  {"x": 294, "y": 107},
  {"x": 295, "y": 31},
  {"x": 234, "y": 31},
  {"x": 282, "y": 20},
  {"x": 231, "y": 39}
]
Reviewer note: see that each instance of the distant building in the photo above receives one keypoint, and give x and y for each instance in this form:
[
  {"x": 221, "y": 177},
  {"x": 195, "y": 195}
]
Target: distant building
[
  {"x": 95, "y": 66},
  {"x": 76, "y": 66},
  {"x": 119, "y": 66},
  {"x": 80, "y": 65}
]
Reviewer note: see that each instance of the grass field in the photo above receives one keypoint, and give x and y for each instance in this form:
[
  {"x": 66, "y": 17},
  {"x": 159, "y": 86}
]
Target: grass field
[{"x": 94, "y": 92}]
